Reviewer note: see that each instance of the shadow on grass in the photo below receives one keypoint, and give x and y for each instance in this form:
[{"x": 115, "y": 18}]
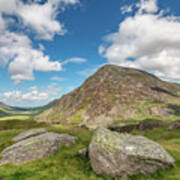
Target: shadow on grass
[{"x": 20, "y": 124}]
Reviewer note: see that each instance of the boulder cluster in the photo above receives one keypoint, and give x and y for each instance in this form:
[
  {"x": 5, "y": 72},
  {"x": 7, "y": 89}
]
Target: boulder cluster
[{"x": 110, "y": 153}]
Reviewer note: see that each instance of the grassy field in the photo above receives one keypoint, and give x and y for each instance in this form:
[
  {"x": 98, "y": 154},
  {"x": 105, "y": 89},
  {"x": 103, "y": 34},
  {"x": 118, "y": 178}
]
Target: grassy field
[
  {"x": 17, "y": 117},
  {"x": 67, "y": 165}
]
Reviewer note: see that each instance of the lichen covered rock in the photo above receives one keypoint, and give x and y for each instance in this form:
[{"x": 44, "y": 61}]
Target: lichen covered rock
[
  {"x": 35, "y": 147},
  {"x": 118, "y": 155}
]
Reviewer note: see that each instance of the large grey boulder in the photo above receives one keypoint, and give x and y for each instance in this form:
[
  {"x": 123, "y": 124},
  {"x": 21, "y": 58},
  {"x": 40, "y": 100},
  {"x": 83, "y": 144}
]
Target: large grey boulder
[
  {"x": 35, "y": 147},
  {"x": 28, "y": 134},
  {"x": 120, "y": 155}
]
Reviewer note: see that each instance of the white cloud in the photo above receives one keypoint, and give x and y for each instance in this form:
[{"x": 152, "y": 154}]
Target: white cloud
[
  {"x": 9, "y": 7},
  {"x": 126, "y": 9},
  {"x": 33, "y": 96},
  {"x": 17, "y": 98},
  {"x": 101, "y": 49},
  {"x": 150, "y": 39},
  {"x": 74, "y": 60},
  {"x": 148, "y": 6},
  {"x": 16, "y": 49},
  {"x": 26, "y": 59},
  {"x": 57, "y": 78},
  {"x": 40, "y": 17}
]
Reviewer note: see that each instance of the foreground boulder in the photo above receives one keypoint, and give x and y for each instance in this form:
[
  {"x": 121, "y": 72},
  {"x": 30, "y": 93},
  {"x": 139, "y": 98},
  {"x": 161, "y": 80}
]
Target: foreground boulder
[
  {"x": 36, "y": 147},
  {"x": 174, "y": 125},
  {"x": 118, "y": 155}
]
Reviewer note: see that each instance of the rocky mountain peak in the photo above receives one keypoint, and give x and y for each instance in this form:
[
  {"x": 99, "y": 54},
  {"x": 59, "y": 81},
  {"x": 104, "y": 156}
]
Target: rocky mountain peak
[{"x": 115, "y": 93}]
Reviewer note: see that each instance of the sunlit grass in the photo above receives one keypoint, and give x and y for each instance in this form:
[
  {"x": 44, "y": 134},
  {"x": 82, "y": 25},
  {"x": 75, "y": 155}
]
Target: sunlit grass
[
  {"x": 23, "y": 117},
  {"x": 67, "y": 165}
]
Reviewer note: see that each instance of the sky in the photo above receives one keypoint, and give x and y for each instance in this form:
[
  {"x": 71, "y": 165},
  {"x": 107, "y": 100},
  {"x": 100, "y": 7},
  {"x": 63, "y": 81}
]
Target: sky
[{"x": 49, "y": 47}]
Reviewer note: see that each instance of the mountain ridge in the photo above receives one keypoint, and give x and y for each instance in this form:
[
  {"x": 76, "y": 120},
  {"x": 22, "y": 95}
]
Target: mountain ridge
[{"x": 115, "y": 93}]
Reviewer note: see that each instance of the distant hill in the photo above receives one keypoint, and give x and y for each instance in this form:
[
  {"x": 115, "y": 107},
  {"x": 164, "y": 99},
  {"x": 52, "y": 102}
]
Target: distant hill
[
  {"x": 113, "y": 94},
  {"x": 5, "y": 110},
  {"x": 10, "y": 112},
  {"x": 3, "y": 105}
]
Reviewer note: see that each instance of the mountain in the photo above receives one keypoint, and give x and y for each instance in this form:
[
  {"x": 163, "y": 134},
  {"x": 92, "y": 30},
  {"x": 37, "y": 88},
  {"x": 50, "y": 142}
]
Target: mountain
[
  {"x": 113, "y": 94},
  {"x": 3, "y": 109},
  {"x": 3, "y": 105}
]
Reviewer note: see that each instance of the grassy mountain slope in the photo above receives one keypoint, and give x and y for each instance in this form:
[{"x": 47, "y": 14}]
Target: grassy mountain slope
[{"x": 113, "y": 94}]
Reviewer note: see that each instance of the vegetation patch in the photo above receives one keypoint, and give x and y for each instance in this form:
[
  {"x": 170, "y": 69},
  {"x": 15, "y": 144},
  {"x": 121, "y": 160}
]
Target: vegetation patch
[{"x": 77, "y": 118}]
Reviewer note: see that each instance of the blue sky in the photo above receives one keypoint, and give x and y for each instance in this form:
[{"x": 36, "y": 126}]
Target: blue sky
[{"x": 48, "y": 48}]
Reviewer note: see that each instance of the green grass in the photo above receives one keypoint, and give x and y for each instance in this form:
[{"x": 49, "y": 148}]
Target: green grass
[
  {"x": 67, "y": 165},
  {"x": 22, "y": 117},
  {"x": 19, "y": 125},
  {"x": 77, "y": 118}
]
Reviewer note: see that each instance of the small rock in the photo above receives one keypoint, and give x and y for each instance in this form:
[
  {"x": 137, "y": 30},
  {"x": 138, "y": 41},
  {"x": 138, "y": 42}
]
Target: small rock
[
  {"x": 28, "y": 134},
  {"x": 174, "y": 125},
  {"x": 35, "y": 147},
  {"x": 120, "y": 155},
  {"x": 83, "y": 153}
]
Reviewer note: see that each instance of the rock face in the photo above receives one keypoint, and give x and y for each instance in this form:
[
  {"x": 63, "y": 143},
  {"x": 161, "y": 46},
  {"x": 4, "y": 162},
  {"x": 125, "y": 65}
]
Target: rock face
[
  {"x": 174, "y": 125},
  {"x": 28, "y": 134},
  {"x": 114, "y": 93},
  {"x": 118, "y": 155},
  {"x": 35, "y": 147}
]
